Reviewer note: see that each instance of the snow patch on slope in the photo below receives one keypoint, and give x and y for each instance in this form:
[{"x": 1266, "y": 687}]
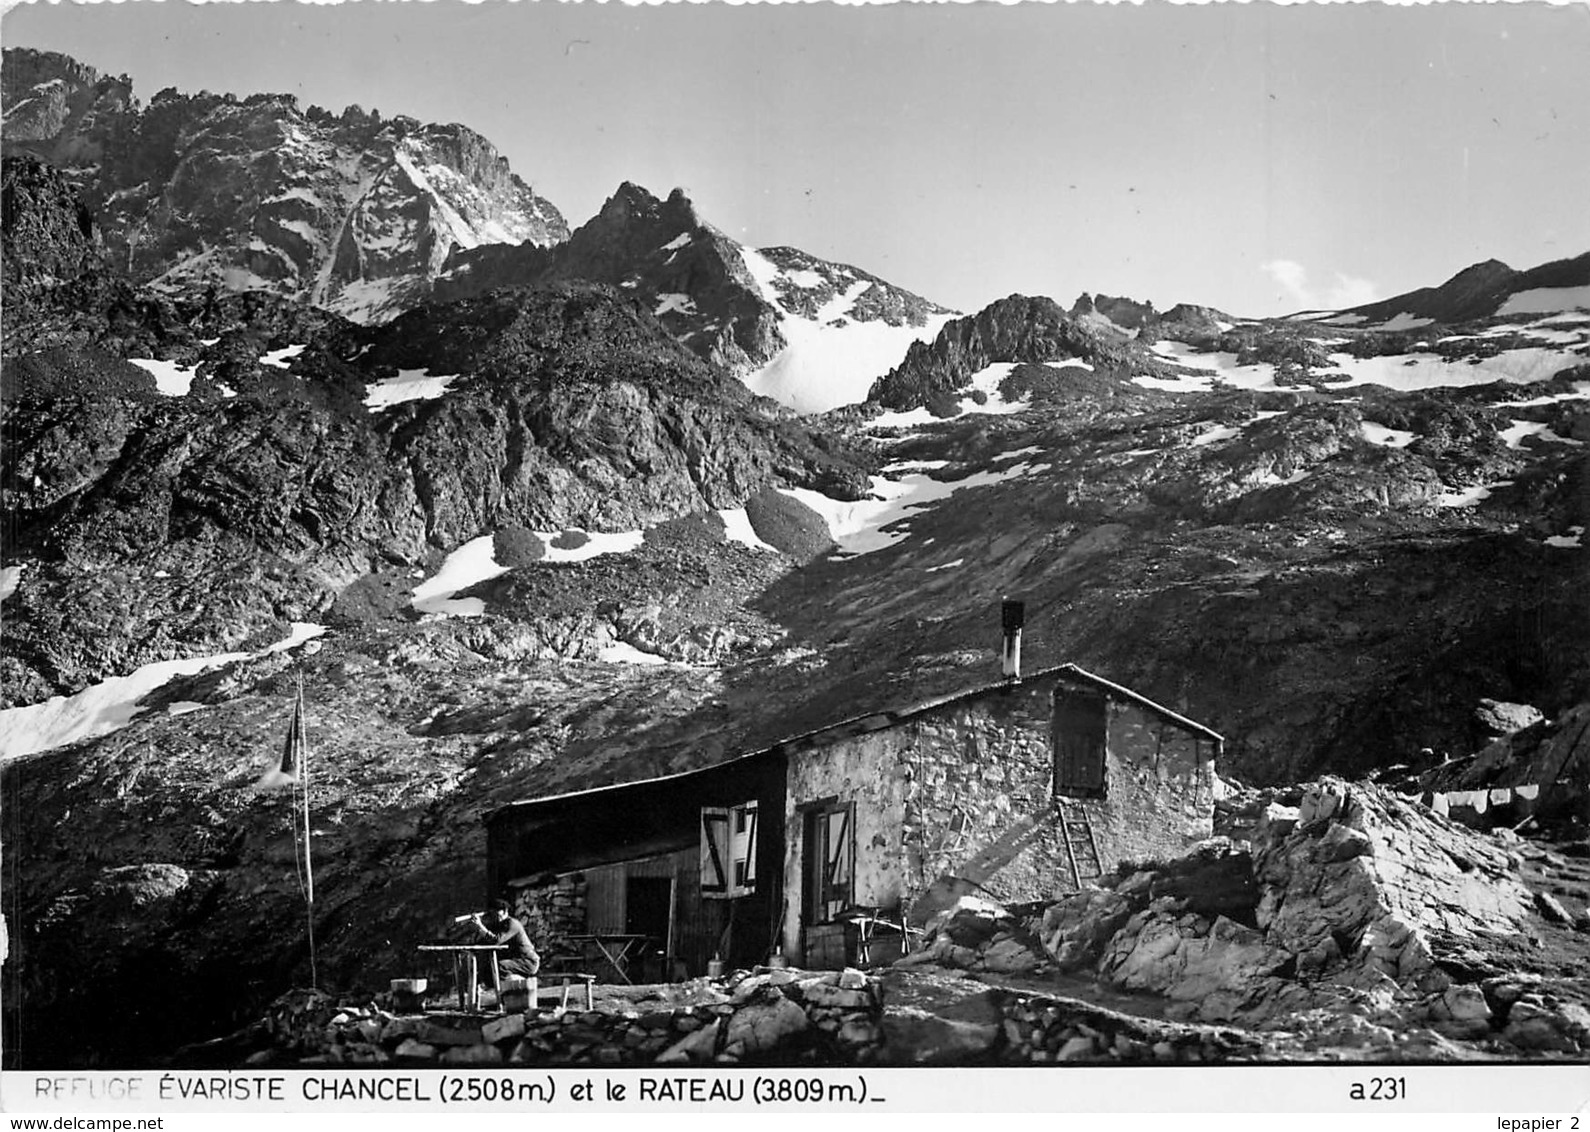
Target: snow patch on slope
[
  {"x": 737, "y": 528},
  {"x": 1514, "y": 435},
  {"x": 621, "y": 652},
  {"x": 986, "y": 381},
  {"x": 170, "y": 378},
  {"x": 476, "y": 562},
  {"x": 112, "y": 704},
  {"x": 596, "y": 544},
  {"x": 1544, "y": 300},
  {"x": 469, "y": 565},
  {"x": 1581, "y": 392},
  {"x": 1385, "y": 437},
  {"x": 408, "y": 385},
  {"x": 861, "y": 526},
  {"x": 672, "y": 301},
  {"x": 830, "y": 359},
  {"x": 1407, "y": 372},
  {"x": 1469, "y": 496},
  {"x": 1402, "y": 320},
  {"x": 1259, "y": 375},
  {"x": 282, "y": 359}
]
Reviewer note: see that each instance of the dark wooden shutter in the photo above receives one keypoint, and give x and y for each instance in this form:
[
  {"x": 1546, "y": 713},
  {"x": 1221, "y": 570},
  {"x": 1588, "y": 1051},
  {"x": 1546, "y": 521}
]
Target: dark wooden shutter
[
  {"x": 714, "y": 851},
  {"x": 1079, "y": 736}
]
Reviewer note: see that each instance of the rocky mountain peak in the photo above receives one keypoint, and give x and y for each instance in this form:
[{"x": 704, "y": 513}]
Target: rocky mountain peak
[
  {"x": 60, "y": 109},
  {"x": 1018, "y": 328},
  {"x": 633, "y": 213},
  {"x": 353, "y": 212},
  {"x": 1128, "y": 314},
  {"x": 1483, "y": 274},
  {"x": 630, "y": 201}
]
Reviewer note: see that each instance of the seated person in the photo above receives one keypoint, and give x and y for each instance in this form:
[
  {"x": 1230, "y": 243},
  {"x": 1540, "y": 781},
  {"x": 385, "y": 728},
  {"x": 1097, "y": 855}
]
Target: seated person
[{"x": 521, "y": 957}]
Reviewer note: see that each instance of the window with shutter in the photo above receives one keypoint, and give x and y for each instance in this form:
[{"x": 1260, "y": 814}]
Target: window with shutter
[
  {"x": 829, "y": 861},
  {"x": 1080, "y": 723},
  {"x": 728, "y": 850}
]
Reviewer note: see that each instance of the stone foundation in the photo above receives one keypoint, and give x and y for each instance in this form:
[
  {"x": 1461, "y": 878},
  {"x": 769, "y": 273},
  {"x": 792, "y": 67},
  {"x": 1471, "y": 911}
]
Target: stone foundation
[{"x": 768, "y": 1017}]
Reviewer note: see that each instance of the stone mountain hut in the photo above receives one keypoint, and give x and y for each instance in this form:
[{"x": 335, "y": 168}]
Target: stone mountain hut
[{"x": 1019, "y": 789}]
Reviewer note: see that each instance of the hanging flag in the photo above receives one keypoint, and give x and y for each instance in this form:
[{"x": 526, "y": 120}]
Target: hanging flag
[{"x": 287, "y": 772}]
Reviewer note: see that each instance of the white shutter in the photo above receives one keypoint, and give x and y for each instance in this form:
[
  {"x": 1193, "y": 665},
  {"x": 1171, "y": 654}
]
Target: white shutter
[
  {"x": 714, "y": 851},
  {"x": 750, "y": 848}
]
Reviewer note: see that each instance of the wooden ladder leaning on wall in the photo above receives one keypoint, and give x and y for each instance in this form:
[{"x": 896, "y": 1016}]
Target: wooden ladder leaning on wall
[{"x": 1082, "y": 849}]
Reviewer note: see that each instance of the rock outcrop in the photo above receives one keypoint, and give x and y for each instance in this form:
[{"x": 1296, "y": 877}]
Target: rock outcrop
[
  {"x": 1368, "y": 884},
  {"x": 1015, "y": 329},
  {"x": 1357, "y": 902},
  {"x": 281, "y": 488}
]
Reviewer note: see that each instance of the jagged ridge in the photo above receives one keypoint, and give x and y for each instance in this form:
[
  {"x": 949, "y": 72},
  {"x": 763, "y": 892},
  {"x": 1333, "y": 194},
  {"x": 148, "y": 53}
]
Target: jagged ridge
[{"x": 352, "y": 212}]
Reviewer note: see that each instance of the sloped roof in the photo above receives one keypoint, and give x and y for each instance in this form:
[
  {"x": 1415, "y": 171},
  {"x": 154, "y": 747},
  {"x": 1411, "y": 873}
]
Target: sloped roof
[
  {"x": 879, "y": 720},
  {"x": 1141, "y": 701}
]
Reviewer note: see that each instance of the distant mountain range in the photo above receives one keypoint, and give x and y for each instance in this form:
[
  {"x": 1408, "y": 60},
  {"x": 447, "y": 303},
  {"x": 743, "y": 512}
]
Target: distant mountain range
[
  {"x": 1486, "y": 289},
  {"x": 352, "y": 212},
  {"x": 368, "y": 217}
]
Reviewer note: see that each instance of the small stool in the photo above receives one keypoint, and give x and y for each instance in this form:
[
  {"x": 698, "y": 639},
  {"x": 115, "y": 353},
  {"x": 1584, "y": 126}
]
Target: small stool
[{"x": 568, "y": 981}]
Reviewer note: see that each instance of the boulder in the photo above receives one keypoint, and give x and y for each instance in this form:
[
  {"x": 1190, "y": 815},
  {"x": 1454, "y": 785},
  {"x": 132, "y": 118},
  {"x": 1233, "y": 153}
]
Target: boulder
[
  {"x": 1076, "y": 929},
  {"x": 1012, "y": 956},
  {"x": 763, "y": 1025},
  {"x": 1500, "y": 718},
  {"x": 500, "y": 1029},
  {"x": 698, "y": 1045},
  {"x": 1188, "y": 958},
  {"x": 1538, "y": 1027},
  {"x": 1465, "y": 1006}
]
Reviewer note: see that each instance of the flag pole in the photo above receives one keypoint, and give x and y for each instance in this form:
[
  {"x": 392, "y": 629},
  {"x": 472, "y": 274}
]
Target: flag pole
[{"x": 309, "y": 871}]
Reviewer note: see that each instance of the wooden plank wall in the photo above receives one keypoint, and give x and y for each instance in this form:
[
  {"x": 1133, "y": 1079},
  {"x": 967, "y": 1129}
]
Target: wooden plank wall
[
  {"x": 605, "y": 887},
  {"x": 698, "y": 923}
]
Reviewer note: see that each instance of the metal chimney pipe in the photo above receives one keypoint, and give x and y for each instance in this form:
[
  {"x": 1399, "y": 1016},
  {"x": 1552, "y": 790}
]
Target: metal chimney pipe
[{"x": 1012, "y": 615}]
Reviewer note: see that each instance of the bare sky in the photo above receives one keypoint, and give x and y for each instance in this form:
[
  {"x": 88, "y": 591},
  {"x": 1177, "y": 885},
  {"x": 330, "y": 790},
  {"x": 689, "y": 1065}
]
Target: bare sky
[{"x": 1252, "y": 157}]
